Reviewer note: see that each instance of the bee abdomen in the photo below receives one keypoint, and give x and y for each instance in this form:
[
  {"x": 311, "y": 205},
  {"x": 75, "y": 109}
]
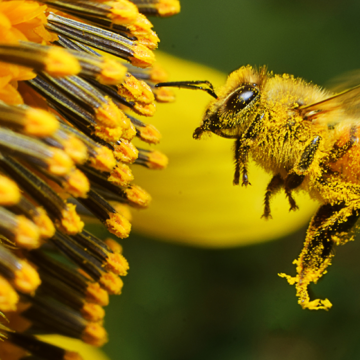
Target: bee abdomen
[{"x": 344, "y": 158}]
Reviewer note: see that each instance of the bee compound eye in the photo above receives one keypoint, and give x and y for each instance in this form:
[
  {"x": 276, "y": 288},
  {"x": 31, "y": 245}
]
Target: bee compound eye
[{"x": 241, "y": 98}]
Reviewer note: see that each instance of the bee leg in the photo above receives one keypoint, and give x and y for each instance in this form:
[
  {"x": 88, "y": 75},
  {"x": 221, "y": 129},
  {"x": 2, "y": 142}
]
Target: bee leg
[
  {"x": 292, "y": 181},
  {"x": 274, "y": 185},
  {"x": 297, "y": 175},
  {"x": 242, "y": 147},
  {"x": 329, "y": 227},
  {"x": 241, "y": 159},
  {"x": 307, "y": 157},
  {"x": 237, "y": 161}
]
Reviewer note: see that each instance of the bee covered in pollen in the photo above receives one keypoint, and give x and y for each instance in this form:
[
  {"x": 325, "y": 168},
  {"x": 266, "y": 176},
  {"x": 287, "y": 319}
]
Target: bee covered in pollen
[{"x": 308, "y": 139}]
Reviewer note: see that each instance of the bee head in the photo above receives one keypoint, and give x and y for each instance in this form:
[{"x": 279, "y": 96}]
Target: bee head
[
  {"x": 225, "y": 116},
  {"x": 236, "y": 102}
]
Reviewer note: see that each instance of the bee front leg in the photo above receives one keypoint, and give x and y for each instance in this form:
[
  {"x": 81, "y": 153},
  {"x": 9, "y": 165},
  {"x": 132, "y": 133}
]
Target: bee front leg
[
  {"x": 274, "y": 185},
  {"x": 329, "y": 227},
  {"x": 242, "y": 148},
  {"x": 241, "y": 160}
]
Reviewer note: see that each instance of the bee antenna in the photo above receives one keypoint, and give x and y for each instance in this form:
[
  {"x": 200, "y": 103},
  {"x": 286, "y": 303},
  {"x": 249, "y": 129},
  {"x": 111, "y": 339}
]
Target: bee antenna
[{"x": 193, "y": 85}]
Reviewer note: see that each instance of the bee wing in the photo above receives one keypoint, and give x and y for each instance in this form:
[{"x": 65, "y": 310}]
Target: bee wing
[
  {"x": 345, "y": 104},
  {"x": 345, "y": 81}
]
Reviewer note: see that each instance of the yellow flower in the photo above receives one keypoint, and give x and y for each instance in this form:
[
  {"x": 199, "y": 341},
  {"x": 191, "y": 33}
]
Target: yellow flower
[
  {"x": 194, "y": 198},
  {"x": 70, "y": 96}
]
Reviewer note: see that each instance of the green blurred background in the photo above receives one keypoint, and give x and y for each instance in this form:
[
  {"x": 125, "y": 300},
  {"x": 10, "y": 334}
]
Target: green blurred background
[{"x": 184, "y": 303}]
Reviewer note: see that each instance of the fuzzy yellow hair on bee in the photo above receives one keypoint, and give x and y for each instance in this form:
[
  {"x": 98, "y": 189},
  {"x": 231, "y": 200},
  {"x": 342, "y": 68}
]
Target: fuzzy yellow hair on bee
[{"x": 307, "y": 138}]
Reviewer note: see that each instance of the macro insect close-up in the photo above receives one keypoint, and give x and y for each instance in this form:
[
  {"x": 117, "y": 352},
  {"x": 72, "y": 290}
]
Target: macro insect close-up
[
  {"x": 116, "y": 178},
  {"x": 307, "y": 138}
]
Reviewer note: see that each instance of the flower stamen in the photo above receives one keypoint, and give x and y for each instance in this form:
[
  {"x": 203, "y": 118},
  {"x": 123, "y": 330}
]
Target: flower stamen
[{"x": 132, "y": 51}]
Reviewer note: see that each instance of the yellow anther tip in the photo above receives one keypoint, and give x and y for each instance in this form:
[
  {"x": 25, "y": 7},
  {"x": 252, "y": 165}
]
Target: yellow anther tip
[
  {"x": 104, "y": 159},
  {"x": 145, "y": 109},
  {"x": 112, "y": 283},
  {"x": 118, "y": 225},
  {"x": 129, "y": 133},
  {"x": 8, "y": 296},
  {"x": 138, "y": 196},
  {"x": 109, "y": 115},
  {"x": 112, "y": 72},
  {"x": 77, "y": 184},
  {"x": 123, "y": 12},
  {"x": 60, "y": 63},
  {"x": 168, "y": 7},
  {"x": 94, "y": 293},
  {"x": 108, "y": 134},
  {"x": 26, "y": 279},
  {"x": 157, "y": 160},
  {"x": 76, "y": 149},
  {"x": 164, "y": 95},
  {"x": 92, "y": 312},
  {"x": 143, "y": 57},
  {"x": 71, "y": 222},
  {"x": 94, "y": 334},
  {"x": 114, "y": 245},
  {"x": 117, "y": 264},
  {"x": 27, "y": 233},
  {"x": 9, "y": 191},
  {"x": 121, "y": 175},
  {"x": 149, "y": 134},
  {"x": 40, "y": 122},
  {"x": 126, "y": 152},
  {"x": 44, "y": 224},
  {"x": 60, "y": 162}
]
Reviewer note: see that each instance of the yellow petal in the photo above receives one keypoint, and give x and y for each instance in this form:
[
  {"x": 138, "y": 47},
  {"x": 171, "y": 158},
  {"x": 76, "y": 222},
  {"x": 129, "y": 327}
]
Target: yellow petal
[
  {"x": 194, "y": 201},
  {"x": 86, "y": 351}
]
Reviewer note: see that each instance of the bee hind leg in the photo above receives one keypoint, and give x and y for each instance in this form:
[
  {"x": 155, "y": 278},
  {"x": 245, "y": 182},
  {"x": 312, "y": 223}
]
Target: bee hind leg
[
  {"x": 329, "y": 227},
  {"x": 275, "y": 184}
]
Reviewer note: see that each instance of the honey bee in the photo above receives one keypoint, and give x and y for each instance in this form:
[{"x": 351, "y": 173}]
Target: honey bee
[{"x": 308, "y": 139}]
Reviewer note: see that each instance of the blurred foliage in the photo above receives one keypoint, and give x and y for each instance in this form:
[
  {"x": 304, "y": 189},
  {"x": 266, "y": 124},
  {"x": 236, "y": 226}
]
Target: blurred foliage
[
  {"x": 184, "y": 303},
  {"x": 313, "y": 39}
]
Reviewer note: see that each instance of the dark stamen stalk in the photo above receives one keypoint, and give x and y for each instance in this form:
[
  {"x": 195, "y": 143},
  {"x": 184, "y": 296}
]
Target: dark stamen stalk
[
  {"x": 86, "y": 261},
  {"x": 68, "y": 296},
  {"x": 58, "y": 99},
  {"x": 152, "y": 159},
  {"x": 52, "y": 316},
  {"x": 71, "y": 277},
  {"x": 36, "y": 122},
  {"x": 34, "y": 151},
  {"x": 35, "y": 214},
  {"x": 101, "y": 39},
  {"x": 77, "y": 254},
  {"x": 55, "y": 61},
  {"x": 114, "y": 222},
  {"x": 56, "y": 207},
  {"x": 19, "y": 229}
]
